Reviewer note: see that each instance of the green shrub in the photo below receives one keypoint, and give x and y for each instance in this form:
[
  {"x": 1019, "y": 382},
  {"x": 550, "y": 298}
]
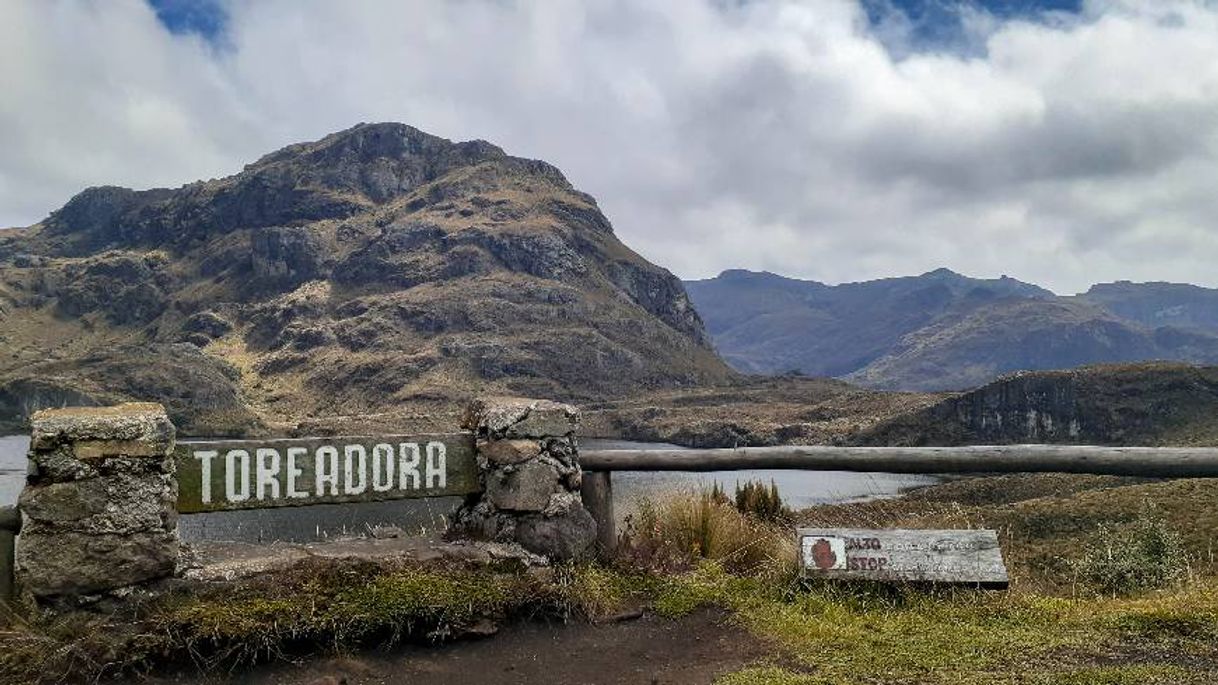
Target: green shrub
[{"x": 1145, "y": 555}]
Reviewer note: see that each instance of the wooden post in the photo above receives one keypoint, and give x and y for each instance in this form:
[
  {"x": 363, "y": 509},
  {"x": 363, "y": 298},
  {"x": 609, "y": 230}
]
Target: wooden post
[
  {"x": 597, "y": 492},
  {"x": 10, "y": 525}
]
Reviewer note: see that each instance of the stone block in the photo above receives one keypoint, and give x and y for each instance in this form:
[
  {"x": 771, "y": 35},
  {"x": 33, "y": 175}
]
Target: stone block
[
  {"x": 504, "y": 452},
  {"x": 562, "y": 449},
  {"x": 59, "y": 464},
  {"x": 123, "y": 503},
  {"x": 100, "y": 449},
  {"x": 513, "y": 417},
  {"x": 525, "y": 488},
  {"x": 566, "y": 535},
  {"x": 546, "y": 419},
  {"x": 73, "y": 563},
  {"x": 134, "y": 429}
]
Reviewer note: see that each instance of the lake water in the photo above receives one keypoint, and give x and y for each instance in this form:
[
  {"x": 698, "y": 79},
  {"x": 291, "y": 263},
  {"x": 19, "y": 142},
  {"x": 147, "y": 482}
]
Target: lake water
[
  {"x": 798, "y": 488},
  {"x": 12, "y": 467}
]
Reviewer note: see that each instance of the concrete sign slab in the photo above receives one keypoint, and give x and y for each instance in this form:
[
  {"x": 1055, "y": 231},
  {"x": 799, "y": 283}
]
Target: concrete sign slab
[
  {"x": 939, "y": 556},
  {"x": 258, "y": 474}
]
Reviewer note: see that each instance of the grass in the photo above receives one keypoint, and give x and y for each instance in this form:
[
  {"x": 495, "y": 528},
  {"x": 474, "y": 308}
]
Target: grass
[
  {"x": 1112, "y": 585},
  {"x": 331, "y": 606},
  {"x": 835, "y": 634},
  {"x": 687, "y": 552},
  {"x": 673, "y": 533}
]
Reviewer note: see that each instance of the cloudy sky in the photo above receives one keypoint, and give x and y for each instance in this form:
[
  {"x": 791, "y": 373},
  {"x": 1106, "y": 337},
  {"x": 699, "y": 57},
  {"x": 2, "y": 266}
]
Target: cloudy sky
[{"x": 1063, "y": 142}]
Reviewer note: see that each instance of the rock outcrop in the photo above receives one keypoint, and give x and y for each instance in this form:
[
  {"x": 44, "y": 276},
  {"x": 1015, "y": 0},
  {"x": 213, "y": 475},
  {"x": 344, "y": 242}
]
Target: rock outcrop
[{"x": 1143, "y": 404}]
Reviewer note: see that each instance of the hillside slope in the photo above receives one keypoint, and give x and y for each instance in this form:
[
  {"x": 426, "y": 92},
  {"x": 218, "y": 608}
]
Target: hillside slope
[
  {"x": 1122, "y": 404},
  {"x": 1155, "y": 305},
  {"x": 377, "y": 268}
]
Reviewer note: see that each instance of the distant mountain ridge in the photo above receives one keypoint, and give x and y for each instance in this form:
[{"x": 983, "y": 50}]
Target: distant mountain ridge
[{"x": 945, "y": 331}]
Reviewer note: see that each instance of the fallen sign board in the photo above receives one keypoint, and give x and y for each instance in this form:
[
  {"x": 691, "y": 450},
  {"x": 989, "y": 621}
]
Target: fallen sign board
[
  {"x": 257, "y": 474},
  {"x": 920, "y": 556}
]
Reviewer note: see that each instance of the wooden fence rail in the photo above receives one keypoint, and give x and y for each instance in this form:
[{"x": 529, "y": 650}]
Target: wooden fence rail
[
  {"x": 1149, "y": 462},
  {"x": 1146, "y": 462}
]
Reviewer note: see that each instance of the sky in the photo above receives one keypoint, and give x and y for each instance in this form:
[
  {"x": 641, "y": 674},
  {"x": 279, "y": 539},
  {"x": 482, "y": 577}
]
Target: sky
[{"x": 1062, "y": 142}]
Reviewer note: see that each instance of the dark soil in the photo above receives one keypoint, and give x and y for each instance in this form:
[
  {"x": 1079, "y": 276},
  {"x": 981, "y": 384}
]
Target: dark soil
[{"x": 694, "y": 649}]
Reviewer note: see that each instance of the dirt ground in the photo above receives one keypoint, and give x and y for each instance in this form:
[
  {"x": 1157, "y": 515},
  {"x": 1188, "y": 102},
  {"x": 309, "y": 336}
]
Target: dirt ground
[{"x": 692, "y": 650}]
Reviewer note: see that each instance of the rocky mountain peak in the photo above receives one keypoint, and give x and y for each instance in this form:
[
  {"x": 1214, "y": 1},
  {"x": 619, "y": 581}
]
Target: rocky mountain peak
[
  {"x": 366, "y": 142},
  {"x": 377, "y": 265},
  {"x": 338, "y": 176},
  {"x": 376, "y": 161},
  {"x": 942, "y": 273}
]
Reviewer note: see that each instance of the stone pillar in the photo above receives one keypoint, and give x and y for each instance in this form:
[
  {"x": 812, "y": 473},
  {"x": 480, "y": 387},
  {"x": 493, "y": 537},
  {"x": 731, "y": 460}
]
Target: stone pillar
[
  {"x": 99, "y": 508},
  {"x": 528, "y": 462}
]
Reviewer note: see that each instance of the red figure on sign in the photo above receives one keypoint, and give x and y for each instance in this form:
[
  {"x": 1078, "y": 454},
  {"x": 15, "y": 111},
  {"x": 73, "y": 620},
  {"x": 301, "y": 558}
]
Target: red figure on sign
[{"x": 822, "y": 555}]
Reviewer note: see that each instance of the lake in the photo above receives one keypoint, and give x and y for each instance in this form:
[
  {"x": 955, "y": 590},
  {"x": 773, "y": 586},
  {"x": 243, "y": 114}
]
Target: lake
[{"x": 798, "y": 488}]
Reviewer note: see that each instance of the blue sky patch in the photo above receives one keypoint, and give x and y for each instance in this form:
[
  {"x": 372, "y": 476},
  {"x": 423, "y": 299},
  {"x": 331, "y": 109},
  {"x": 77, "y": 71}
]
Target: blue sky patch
[
  {"x": 908, "y": 26},
  {"x": 207, "y": 18}
]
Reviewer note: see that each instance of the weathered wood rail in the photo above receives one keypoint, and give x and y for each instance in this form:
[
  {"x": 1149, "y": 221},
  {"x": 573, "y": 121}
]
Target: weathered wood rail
[
  {"x": 1146, "y": 462},
  {"x": 1149, "y": 462}
]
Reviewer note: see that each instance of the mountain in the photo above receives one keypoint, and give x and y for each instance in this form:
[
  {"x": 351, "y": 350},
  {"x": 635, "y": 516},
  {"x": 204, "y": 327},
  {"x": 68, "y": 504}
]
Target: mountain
[
  {"x": 944, "y": 331},
  {"x": 764, "y": 323},
  {"x": 1156, "y": 305},
  {"x": 377, "y": 269}
]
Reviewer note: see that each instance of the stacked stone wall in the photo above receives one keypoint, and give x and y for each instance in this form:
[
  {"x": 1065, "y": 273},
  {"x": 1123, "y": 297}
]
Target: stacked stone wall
[
  {"x": 528, "y": 461},
  {"x": 99, "y": 508}
]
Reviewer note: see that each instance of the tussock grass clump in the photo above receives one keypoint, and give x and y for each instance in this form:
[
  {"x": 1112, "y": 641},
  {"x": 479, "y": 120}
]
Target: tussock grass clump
[
  {"x": 348, "y": 604},
  {"x": 71, "y": 648},
  {"x": 675, "y": 533},
  {"x": 757, "y": 499}
]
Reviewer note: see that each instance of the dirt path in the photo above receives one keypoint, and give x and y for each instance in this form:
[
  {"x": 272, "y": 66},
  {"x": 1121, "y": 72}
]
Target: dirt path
[{"x": 692, "y": 650}]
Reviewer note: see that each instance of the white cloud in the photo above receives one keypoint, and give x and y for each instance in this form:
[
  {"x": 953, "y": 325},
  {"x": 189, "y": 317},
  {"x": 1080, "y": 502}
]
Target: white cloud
[{"x": 772, "y": 134}]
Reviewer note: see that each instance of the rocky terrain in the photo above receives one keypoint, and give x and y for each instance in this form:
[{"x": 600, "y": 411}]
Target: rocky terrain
[
  {"x": 763, "y": 411},
  {"x": 1157, "y": 403},
  {"x": 944, "y": 331},
  {"x": 376, "y": 269},
  {"x": 1136, "y": 404}
]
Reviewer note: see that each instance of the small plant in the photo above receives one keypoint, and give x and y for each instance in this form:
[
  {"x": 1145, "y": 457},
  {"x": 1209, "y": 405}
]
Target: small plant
[
  {"x": 1146, "y": 555},
  {"x": 674, "y": 533},
  {"x": 764, "y": 502}
]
